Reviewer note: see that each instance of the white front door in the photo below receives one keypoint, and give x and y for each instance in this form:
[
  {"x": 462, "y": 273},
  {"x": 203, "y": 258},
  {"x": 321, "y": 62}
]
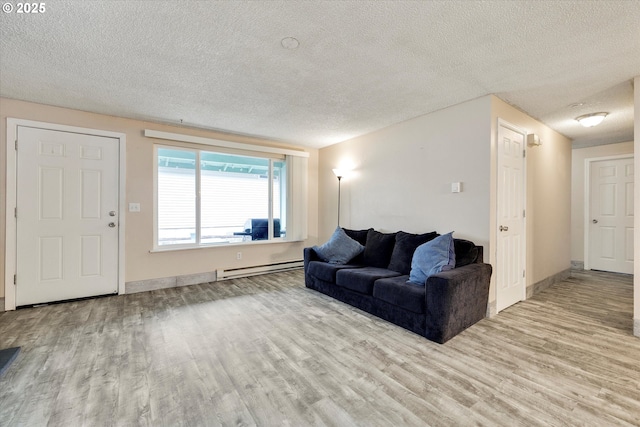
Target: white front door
[
  {"x": 67, "y": 215},
  {"x": 611, "y": 215},
  {"x": 510, "y": 259}
]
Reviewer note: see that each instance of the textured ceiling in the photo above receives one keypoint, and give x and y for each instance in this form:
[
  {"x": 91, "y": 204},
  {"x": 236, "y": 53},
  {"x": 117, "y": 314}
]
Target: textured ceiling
[{"x": 360, "y": 65}]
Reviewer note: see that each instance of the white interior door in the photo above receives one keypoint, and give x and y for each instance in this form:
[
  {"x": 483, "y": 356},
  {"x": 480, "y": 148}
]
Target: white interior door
[
  {"x": 67, "y": 215},
  {"x": 510, "y": 259},
  {"x": 611, "y": 215}
]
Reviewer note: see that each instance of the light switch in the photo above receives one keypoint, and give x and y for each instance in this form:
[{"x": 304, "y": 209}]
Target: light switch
[
  {"x": 456, "y": 187},
  {"x": 134, "y": 207}
]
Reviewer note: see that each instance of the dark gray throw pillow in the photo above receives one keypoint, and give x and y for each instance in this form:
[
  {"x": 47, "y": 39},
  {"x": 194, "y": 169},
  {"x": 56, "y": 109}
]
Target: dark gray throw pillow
[
  {"x": 466, "y": 252},
  {"x": 377, "y": 252},
  {"x": 406, "y": 244},
  {"x": 359, "y": 236},
  {"x": 340, "y": 248}
]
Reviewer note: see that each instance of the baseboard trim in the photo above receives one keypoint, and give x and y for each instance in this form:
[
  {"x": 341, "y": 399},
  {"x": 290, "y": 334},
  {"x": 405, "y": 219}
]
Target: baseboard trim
[
  {"x": 169, "y": 282},
  {"x": 545, "y": 283},
  {"x": 1, "y": 305},
  {"x": 636, "y": 327},
  {"x": 577, "y": 265},
  {"x": 492, "y": 309}
]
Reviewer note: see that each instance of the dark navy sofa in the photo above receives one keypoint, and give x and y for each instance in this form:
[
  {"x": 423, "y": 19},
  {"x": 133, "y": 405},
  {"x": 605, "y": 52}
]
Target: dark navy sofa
[{"x": 376, "y": 282}]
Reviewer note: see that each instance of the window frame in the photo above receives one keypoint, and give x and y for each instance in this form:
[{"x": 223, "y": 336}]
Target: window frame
[{"x": 198, "y": 201}]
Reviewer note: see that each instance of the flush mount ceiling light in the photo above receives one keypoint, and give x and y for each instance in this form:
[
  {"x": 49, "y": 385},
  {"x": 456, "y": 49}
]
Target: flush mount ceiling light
[
  {"x": 590, "y": 120},
  {"x": 290, "y": 43}
]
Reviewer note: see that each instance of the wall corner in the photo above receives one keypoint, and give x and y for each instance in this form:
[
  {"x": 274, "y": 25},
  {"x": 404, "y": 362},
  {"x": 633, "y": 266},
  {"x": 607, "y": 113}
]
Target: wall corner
[{"x": 636, "y": 207}]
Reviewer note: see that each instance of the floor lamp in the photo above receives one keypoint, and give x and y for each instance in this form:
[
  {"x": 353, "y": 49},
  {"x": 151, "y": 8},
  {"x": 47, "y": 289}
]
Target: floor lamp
[{"x": 339, "y": 174}]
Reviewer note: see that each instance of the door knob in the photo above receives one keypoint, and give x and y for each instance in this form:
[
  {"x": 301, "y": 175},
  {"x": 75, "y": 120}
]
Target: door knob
[
  {"x": 112, "y": 213},
  {"x": 112, "y": 224},
  {"x": 595, "y": 221},
  {"x": 504, "y": 228}
]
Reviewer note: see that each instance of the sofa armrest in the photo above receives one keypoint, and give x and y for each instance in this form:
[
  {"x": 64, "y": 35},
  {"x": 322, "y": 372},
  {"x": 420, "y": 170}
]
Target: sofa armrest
[
  {"x": 455, "y": 300},
  {"x": 309, "y": 255}
]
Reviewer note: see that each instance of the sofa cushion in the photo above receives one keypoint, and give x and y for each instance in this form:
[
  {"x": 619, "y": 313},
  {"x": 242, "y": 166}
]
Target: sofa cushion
[
  {"x": 325, "y": 271},
  {"x": 405, "y": 246},
  {"x": 362, "y": 279},
  {"x": 466, "y": 252},
  {"x": 432, "y": 257},
  {"x": 340, "y": 248},
  {"x": 378, "y": 249},
  {"x": 398, "y": 291}
]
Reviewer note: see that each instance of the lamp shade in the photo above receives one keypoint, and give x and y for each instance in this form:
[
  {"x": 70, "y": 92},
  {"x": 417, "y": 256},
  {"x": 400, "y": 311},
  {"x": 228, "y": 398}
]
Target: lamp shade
[
  {"x": 339, "y": 172},
  {"x": 590, "y": 120}
]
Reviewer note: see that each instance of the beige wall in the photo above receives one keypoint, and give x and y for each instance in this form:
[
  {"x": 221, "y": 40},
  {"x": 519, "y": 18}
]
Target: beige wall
[
  {"x": 636, "y": 207},
  {"x": 578, "y": 188},
  {"x": 402, "y": 177},
  {"x": 548, "y": 194},
  {"x": 401, "y": 181},
  {"x": 140, "y": 263}
]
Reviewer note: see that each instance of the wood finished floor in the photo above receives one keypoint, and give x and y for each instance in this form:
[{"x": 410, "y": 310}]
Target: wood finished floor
[{"x": 267, "y": 351}]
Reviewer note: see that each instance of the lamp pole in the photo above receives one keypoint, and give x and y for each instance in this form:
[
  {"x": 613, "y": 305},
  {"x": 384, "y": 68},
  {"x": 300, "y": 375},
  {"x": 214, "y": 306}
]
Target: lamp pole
[
  {"x": 339, "y": 180},
  {"x": 339, "y": 173}
]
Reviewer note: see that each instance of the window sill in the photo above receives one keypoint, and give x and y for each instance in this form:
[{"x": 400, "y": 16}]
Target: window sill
[{"x": 169, "y": 248}]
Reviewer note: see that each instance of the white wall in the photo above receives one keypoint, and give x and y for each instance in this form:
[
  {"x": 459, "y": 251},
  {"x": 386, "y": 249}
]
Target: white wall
[
  {"x": 578, "y": 188},
  {"x": 402, "y": 175},
  {"x": 402, "y": 181}
]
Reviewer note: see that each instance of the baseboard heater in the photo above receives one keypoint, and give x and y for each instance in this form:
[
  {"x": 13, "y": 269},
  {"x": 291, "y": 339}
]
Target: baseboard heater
[{"x": 232, "y": 273}]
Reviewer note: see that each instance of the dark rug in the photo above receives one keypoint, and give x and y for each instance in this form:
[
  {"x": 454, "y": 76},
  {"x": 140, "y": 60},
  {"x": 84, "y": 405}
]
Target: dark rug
[{"x": 6, "y": 357}]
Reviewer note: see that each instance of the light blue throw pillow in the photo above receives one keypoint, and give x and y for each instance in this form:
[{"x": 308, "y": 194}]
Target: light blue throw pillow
[
  {"x": 340, "y": 248},
  {"x": 431, "y": 258}
]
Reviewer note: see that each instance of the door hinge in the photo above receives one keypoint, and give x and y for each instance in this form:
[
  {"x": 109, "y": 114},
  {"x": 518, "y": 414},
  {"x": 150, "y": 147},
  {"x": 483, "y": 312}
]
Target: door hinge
[
  {"x": 524, "y": 213},
  {"x": 15, "y": 212},
  {"x": 524, "y": 153},
  {"x": 523, "y": 273},
  {"x": 16, "y": 145},
  {"x": 15, "y": 279}
]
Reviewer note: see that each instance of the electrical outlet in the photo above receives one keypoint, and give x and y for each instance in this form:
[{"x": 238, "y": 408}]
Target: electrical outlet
[
  {"x": 239, "y": 255},
  {"x": 134, "y": 207}
]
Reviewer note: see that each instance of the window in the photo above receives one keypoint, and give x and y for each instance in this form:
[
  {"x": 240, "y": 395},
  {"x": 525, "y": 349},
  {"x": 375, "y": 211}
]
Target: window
[{"x": 208, "y": 198}]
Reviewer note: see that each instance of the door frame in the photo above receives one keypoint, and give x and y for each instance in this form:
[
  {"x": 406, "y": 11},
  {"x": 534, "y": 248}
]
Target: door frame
[
  {"x": 496, "y": 232},
  {"x": 587, "y": 201},
  {"x": 10, "y": 257}
]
